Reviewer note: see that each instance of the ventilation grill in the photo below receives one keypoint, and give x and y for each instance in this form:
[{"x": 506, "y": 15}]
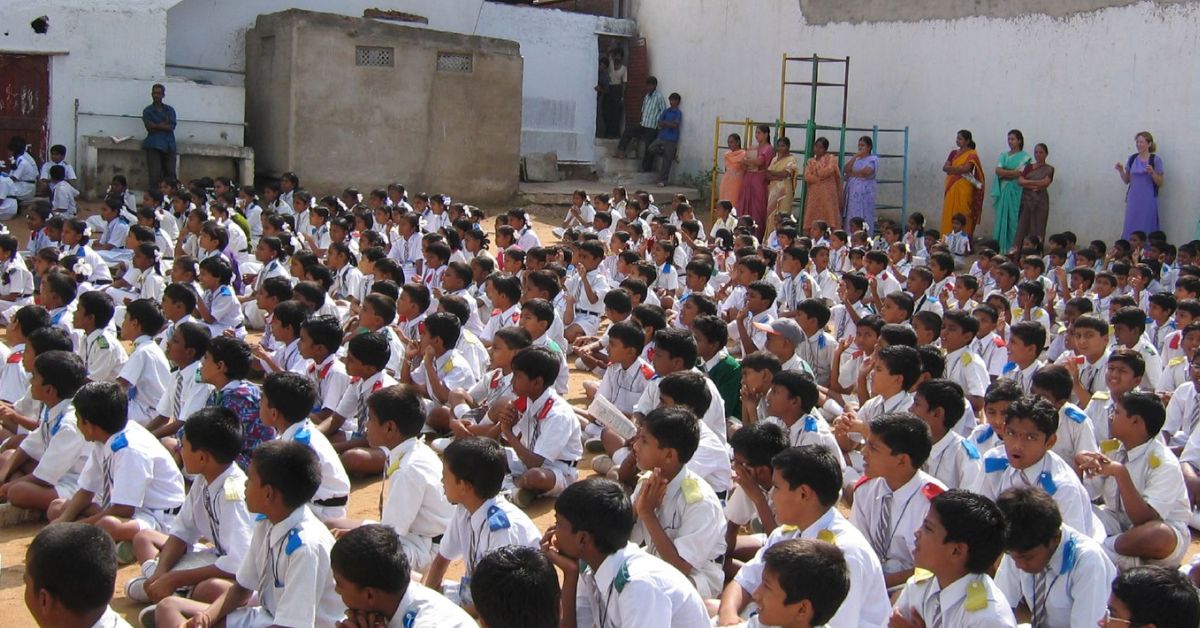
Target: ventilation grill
[
  {"x": 374, "y": 56},
  {"x": 456, "y": 62}
]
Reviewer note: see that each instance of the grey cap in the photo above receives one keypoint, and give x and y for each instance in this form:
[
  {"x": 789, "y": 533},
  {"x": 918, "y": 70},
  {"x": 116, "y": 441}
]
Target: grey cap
[{"x": 786, "y": 327}]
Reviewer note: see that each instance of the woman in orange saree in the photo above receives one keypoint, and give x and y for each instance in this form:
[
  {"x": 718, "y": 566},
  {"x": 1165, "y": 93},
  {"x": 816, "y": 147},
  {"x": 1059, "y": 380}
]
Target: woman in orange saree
[
  {"x": 823, "y": 200},
  {"x": 964, "y": 184},
  {"x": 735, "y": 169}
]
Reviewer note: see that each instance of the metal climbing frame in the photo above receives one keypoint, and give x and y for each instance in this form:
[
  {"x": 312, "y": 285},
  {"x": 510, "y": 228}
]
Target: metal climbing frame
[
  {"x": 811, "y": 127},
  {"x": 875, "y": 133}
]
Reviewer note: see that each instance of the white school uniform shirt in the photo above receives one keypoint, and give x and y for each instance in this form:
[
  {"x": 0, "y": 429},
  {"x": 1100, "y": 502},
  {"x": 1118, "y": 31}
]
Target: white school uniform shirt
[
  {"x": 353, "y": 403},
  {"x": 58, "y": 447},
  {"x": 226, "y": 311},
  {"x": 1158, "y": 334},
  {"x": 422, "y": 607},
  {"x": 624, "y": 386},
  {"x": 62, "y": 198},
  {"x": 321, "y": 237},
  {"x": 955, "y": 461},
  {"x": 431, "y": 222},
  {"x": 346, "y": 282},
  {"x": 922, "y": 595},
  {"x": 501, "y": 319},
  {"x": 414, "y": 503},
  {"x": 528, "y": 238},
  {"x": 886, "y": 283},
  {"x": 432, "y": 278},
  {"x": 331, "y": 381},
  {"x": 985, "y": 438},
  {"x": 866, "y": 602},
  {"x": 478, "y": 359},
  {"x": 1077, "y": 582},
  {"x": 150, "y": 285},
  {"x": 810, "y": 430},
  {"x": 633, "y": 589},
  {"x": 849, "y": 365},
  {"x": 471, "y": 536},
  {"x": 817, "y": 351},
  {"x": 714, "y": 417},
  {"x": 14, "y": 379},
  {"x": 16, "y": 281},
  {"x": 826, "y": 286},
  {"x": 185, "y": 393},
  {"x": 927, "y": 302},
  {"x": 691, "y": 515},
  {"x": 406, "y": 251},
  {"x": 1156, "y": 475},
  {"x": 547, "y": 426},
  {"x": 1022, "y": 376},
  {"x": 474, "y": 322},
  {"x": 1101, "y": 409},
  {"x": 148, "y": 373},
  {"x": 877, "y": 405},
  {"x": 1183, "y": 415},
  {"x": 1076, "y": 432},
  {"x": 711, "y": 461},
  {"x": 37, "y": 240},
  {"x": 288, "y": 565},
  {"x": 600, "y": 286},
  {"x": 100, "y": 272},
  {"x": 1051, "y": 474},
  {"x": 893, "y": 540},
  {"x": 334, "y": 481},
  {"x": 102, "y": 354},
  {"x": 450, "y": 367},
  {"x": 45, "y": 172},
  {"x": 131, "y": 468},
  {"x": 1154, "y": 364},
  {"x": 217, "y": 512},
  {"x": 843, "y": 324},
  {"x": 994, "y": 351},
  {"x": 24, "y": 175},
  {"x": 115, "y": 232},
  {"x": 965, "y": 368},
  {"x": 667, "y": 280},
  {"x": 287, "y": 357},
  {"x": 272, "y": 268}
]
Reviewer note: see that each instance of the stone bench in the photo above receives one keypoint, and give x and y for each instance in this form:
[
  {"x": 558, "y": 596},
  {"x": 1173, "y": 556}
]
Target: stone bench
[{"x": 102, "y": 158}]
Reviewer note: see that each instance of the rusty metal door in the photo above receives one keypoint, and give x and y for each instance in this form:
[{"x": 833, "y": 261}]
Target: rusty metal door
[
  {"x": 25, "y": 100},
  {"x": 635, "y": 87}
]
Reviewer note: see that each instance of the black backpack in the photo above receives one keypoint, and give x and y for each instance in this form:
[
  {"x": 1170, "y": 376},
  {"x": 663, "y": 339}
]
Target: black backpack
[{"x": 1129, "y": 166}]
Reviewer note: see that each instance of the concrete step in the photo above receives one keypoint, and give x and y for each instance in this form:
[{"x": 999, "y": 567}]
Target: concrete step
[
  {"x": 616, "y": 166},
  {"x": 634, "y": 178},
  {"x": 605, "y": 147}
]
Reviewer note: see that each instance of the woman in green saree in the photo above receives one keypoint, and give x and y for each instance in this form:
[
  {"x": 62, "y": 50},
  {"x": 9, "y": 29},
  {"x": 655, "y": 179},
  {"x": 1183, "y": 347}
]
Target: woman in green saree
[{"x": 1006, "y": 190}]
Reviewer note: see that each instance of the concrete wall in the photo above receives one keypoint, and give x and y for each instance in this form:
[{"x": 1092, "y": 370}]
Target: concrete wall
[
  {"x": 1083, "y": 84},
  {"x": 559, "y": 49},
  {"x": 828, "y": 11},
  {"x": 310, "y": 108}
]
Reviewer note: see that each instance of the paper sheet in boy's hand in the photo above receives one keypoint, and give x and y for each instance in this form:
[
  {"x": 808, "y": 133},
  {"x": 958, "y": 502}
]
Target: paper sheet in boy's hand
[{"x": 609, "y": 416}]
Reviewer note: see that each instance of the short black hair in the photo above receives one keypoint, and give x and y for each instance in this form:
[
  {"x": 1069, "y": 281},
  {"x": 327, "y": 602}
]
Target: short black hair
[
  {"x": 234, "y": 353},
  {"x": 515, "y": 338},
  {"x": 945, "y": 395},
  {"x": 687, "y": 388},
  {"x": 759, "y": 443},
  {"x": 902, "y": 300},
  {"x": 443, "y": 326},
  {"x": 762, "y": 361},
  {"x": 1092, "y": 322},
  {"x": 62, "y": 370},
  {"x": 619, "y": 301},
  {"x": 814, "y": 466},
  {"x": 1032, "y": 515},
  {"x": 291, "y": 394},
  {"x": 290, "y": 467},
  {"x": 712, "y": 328},
  {"x": 799, "y": 386},
  {"x": 599, "y": 507},
  {"x": 216, "y": 431},
  {"x": 372, "y": 556},
  {"x": 181, "y": 294},
  {"x": 516, "y": 587},
  {"x": 933, "y": 363},
  {"x": 1131, "y": 317},
  {"x": 537, "y": 362},
  {"x": 1158, "y": 595},
  {"x": 195, "y": 336},
  {"x": 291, "y": 314},
  {"x": 1146, "y": 405},
  {"x": 975, "y": 520},
  {"x": 49, "y": 339},
  {"x": 813, "y": 570},
  {"x": 1055, "y": 380},
  {"x": 312, "y": 292},
  {"x": 92, "y": 556},
  {"x": 98, "y": 305},
  {"x": 1031, "y": 333},
  {"x": 62, "y": 285},
  {"x": 104, "y": 405},
  {"x": 962, "y": 319},
  {"x": 629, "y": 335},
  {"x": 398, "y": 404},
  {"x": 278, "y": 287},
  {"x": 325, "y": 331},
  {"x": 148, "y": 315},
  {"x": 1132, "y": 359},
  {"x": 904, "y": 433},
  {"x": 541, "y": 310},
  {"x": 903, "y": 361},
  {"x": 479, "y": 462},
  {"x": 898, "y": 335},
  {"x": 508, "y": 285},
  {"x": 1003, "y": 390},
  {"x": 1037, "y": 410},
  {"x": 373, "y": 349},
  {"x": 31, "y": 318},
  {"x": 816, "y": 309},
  {"x": 674, "y": 427}
]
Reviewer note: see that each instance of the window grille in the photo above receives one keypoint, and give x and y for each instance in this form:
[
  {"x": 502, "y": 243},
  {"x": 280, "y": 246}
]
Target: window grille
[
  {"x": 374, "y": 56},
  {"x": 456, "y": 62}
]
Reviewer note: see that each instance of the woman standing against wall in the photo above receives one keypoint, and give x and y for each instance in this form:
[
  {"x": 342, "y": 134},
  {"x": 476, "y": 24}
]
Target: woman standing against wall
[
  {"x": 735, "y": 170},
  {"x": 964, "y": 184},
  {"x": 1143, "y": 173},
  {"x": 1006, "y": 191},
  {"x": 822, "y": 200},
  {"x": 782, "y": 177},
  {"x": 861, "y": 188},
  {"x": 1035, "y": 182},
  {"x": 753, "y": 200}
]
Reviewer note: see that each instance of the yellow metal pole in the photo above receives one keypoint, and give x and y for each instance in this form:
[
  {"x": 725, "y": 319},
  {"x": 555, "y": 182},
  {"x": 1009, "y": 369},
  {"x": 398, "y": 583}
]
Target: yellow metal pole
[{"x": 712, "y": 196}]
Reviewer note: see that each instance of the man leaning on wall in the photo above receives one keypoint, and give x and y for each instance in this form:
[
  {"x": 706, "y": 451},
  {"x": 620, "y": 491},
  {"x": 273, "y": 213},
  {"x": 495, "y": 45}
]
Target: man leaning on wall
[{"x": 160, "y": 121}]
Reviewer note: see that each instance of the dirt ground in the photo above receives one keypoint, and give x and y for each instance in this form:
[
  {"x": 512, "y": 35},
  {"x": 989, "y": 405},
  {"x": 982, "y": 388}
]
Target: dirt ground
[{"x": 364, "y": 498}]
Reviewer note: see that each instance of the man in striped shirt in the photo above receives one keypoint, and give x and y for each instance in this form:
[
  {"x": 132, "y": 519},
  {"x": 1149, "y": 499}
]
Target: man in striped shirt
[{"x": 653, "y": 105}]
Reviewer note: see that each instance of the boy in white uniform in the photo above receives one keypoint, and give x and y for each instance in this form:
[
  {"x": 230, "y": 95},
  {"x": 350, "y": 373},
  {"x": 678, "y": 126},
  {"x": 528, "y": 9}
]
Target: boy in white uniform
[
  {"x": 98, "y": 345},
  {"x": 959, "y": 540},
  {"x": 585, "y": 292},
  {"x": 954, "y": 460},
  {"x": 1076, "y": 431},
  {"x": 791, "y": 405},
  {"x": 185, "y": 393},
  {"x": 320, "y": 337},
  {"x": 1026, "y": 341},
  {"x": 608, "y": 581},
  {"x": 77, "y": 596},
  {"x": 145, "y": 375},
  {"x": 130, "y": 482},
  {"x": 963, "y": 366},
  {"x": 287, "y": 564}
]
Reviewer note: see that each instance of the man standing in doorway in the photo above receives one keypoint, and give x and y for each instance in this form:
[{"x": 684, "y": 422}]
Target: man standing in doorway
[
  {"x": 160, "y": 123},
  {"x": 667, "y": 142},
  {"x": 653, "y": 106},
  {"x": 614, "y": 97}
]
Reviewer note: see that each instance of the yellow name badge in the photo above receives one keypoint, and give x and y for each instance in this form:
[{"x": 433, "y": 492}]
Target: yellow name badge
[
  {"x": 691, "y": 490},
  {"x": 977, "y": 598},
  {"x": 828, "y": 536}
]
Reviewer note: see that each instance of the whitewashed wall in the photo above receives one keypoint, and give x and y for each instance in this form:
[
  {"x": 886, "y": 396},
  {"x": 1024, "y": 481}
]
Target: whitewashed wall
[
  {"x": 1083, "y": 84},
  {"x": 559, "y": 49}
]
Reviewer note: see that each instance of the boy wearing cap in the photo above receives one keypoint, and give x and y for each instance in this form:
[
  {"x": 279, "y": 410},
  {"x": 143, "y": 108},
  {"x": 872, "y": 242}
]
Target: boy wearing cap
[{"x": 783, "y": 336}]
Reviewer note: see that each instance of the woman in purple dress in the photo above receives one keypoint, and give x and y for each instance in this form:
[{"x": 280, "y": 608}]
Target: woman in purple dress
[
  {"x": 1143, "y": 173},
  {"x": 861, "y": 188},
  {"x": 753, "y": 199}
]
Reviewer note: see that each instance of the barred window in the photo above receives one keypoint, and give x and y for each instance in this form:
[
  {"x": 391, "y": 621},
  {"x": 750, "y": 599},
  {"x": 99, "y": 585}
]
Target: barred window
[
  {"x": 457, "y": 62},
  {"x": 374, "y": 56}
]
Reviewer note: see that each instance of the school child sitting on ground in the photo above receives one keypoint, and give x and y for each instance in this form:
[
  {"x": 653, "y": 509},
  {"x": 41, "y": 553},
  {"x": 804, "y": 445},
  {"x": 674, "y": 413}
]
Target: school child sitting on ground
[
  {"x": 77, "y": 596},
  {"x": 537, "y": 317},
  {"x": 595, "y": 520},
  {"x": 585, "y": 293},
  {"x": 1146, "y": 510},
  {"x": 225, "y": 367},
  {"x": 470, "y": 412},
  {"x": 954, "y": 460},
  {"x": 24, "y": 417},
  {"x": 1129, "y": 330},
  {"x": 960, "y": 539},
  {"x": 129, "y": 483},
  {"x": 433, "y": 364},
  {"x": 320, "y": 338},
  {"x": 178, "y": 304},
  {"x": 483, "y": 521},
  {"x": 145, "y": 375},
  {"x": 14, "y": 379},
  {"x": 806, "y": 484},
  {"x": 287, "y": 399},
  {"x": 805, "y": 583},
  {"x": 749, "y": 504},
  {"x": 783, "y": 338},
  {"x": 504, "y": 291},
  {"x": 287, "y": 318},
  {"x": 214, "y": 509},
  {"x": 791, "y": 404},
  {"x": 1062, "y": 575},
  {"x": 892, "y": 498},
  {"x": 414, "y": 502},
  {"x": 57, "y": 294},
  {"x": 287, "y": 564},
  {"x": 185, "y": 392},
  {"x": 517, "y": 587},
  {"x": 1076, "y": 431},
  {"x": 1124, "y": 373},
  {"x": 218, "y": 307},
  {"x": 963, "y": 366},
  {"x": 1026, "y": 341},
  {"x": 97, "y": 342},
  {"x": 1088, "y": 359}
]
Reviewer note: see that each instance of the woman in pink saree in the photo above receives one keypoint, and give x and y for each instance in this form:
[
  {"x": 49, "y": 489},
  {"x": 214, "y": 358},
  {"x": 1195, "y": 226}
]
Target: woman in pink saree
[
  {"x": 753, "y": 199},
  {"x": 735, "y": 170}
]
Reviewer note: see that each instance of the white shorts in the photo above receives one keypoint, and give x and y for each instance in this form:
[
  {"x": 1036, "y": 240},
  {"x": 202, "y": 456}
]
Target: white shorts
[
  {"x": 197, "y": 556},
  {"x": 325, "y": 513},
  {"x": 419, "y": 550},
  {"x": 564, "y": 475},
  {"x": 1116, "y": 523},
  {"x": 589, "y": 323},
  {"x": 249, "y": 617},
  {"x": 148, "y": 519},
  {"x": 253, "y": 316}
]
